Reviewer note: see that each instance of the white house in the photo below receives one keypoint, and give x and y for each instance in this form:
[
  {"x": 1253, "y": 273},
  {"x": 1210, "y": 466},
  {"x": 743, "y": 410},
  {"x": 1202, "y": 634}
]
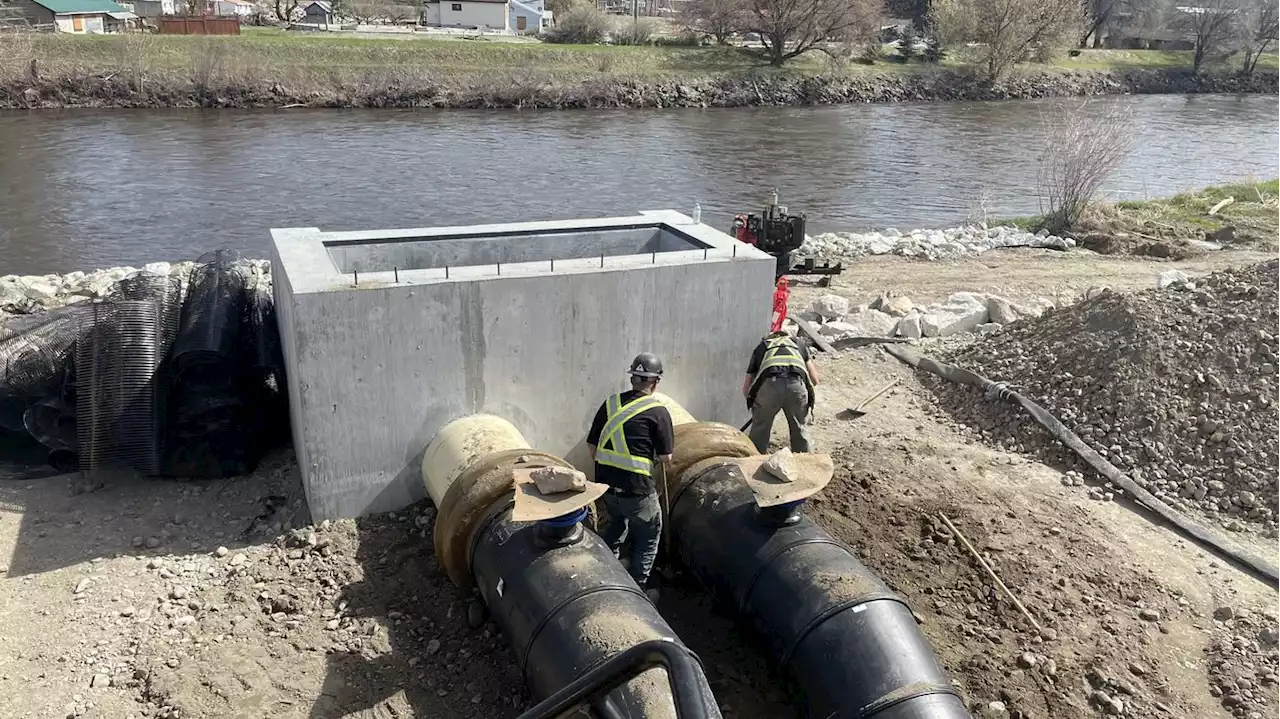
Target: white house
[
  {"x": 529, "y": 16},
  {"x": 477, "y": 14},
  {"x": 152, "y": 9},
  {"x": 232, "y": 8}
]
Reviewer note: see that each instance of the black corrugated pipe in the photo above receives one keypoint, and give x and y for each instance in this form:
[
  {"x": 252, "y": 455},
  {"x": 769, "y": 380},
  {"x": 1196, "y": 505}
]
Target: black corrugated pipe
[
  {"x": 566, "y": 604},
  {"x": 851, "y": 644}
]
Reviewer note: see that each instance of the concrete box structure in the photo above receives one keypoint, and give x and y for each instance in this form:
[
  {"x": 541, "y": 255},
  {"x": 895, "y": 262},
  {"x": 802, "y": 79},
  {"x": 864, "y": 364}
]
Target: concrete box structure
[{"x": 390, "y": 335}]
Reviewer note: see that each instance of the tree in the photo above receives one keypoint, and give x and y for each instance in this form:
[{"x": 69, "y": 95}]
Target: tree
[
  {"x": 790, "y": 28},
  {"x": 1213, "y": 26},
  {"x": 1260, "y": 22},
  {"x": 1100, "y": 13},
  {"x": 719, "y": 19},
  {"x": 1009, "y": 31},
  {"x": 285, "y": 9}
]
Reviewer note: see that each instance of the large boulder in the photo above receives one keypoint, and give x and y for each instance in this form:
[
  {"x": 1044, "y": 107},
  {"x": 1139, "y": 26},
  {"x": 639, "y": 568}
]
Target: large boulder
[
  {"x": 865, "y": 323},
  {"x": 38, "y": 288},
  {"x": 1168, "y": 278},
  {"x": 909, "y": 326},
  {"x": 961, "y": 312},
  {"x": 891, "y": 304},
  {"x": 1001, "y": 310},
  {"x": 830, "y": 306}
]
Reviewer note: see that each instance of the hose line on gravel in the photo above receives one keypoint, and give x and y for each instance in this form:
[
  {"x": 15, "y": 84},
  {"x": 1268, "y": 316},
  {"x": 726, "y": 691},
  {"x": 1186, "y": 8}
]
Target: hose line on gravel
[{"x": 1255, "y": 566}]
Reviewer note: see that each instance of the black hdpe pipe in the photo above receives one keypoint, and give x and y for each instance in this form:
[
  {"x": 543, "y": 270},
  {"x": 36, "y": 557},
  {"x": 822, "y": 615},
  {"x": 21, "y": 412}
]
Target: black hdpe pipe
[
  {"x": 1257, "y": 567},
  {"x": 852, "y": 645},
  {"x": 555, "y": 590}
]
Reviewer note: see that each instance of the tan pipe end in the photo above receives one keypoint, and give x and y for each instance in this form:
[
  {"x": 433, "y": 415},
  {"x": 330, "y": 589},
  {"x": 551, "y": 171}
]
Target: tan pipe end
[{"x": 462, "y": 443}]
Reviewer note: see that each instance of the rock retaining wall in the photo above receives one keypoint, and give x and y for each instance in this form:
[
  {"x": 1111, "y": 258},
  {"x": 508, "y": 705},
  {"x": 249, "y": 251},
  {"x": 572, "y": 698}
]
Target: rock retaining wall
[
  {"x": 950, "y": 243},
  {"x": 535, "y": 89}
]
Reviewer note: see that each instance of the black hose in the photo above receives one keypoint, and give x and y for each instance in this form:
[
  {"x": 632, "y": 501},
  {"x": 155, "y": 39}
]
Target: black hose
[
  {"x": 568, "y": 606},
  {"x": 852, "y": 645},
  {"x": 1255, "y": 566}
]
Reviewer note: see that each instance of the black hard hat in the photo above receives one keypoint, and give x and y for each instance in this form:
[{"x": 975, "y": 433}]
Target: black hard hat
[{"x": 646, "y": 364}]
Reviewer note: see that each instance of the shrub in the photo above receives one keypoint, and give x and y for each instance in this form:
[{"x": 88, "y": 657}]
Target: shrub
[
  {"x": 580, "y": 25},
  {"x": 634, "y": 32}
]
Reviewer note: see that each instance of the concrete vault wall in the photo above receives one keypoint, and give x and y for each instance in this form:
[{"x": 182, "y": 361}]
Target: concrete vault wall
[{"x": 378, "y": 361}]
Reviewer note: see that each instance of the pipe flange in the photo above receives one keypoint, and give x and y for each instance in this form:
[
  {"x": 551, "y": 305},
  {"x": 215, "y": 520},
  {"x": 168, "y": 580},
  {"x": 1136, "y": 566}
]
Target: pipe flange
[
  {"x": 700, "y": 441},
  {"x": 466, "y": 503}
]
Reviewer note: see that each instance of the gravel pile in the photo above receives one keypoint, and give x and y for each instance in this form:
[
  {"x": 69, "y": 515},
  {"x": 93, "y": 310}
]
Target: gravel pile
[
  {"x": 1174, "y": 386},
  {"x": 950, "y": 243}
]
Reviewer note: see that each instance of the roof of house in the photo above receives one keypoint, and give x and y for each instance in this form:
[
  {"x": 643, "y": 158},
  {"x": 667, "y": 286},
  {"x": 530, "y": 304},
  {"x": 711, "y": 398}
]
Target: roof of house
[
  {"x": 71, "y": 7},
  {"x": 324, "y": 5}
]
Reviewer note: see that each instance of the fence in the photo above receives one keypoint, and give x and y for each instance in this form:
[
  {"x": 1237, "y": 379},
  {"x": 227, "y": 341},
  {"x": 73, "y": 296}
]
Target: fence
[{"x": 177, "y": 25}]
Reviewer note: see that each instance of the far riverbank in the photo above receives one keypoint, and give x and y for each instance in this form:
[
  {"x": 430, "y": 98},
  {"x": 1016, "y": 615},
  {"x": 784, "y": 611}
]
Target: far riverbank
[
  {"x": 536, "y": 89},
  {"x": 269, "y": 68}
]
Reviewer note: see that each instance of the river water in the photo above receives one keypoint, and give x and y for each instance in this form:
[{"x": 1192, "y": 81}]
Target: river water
[{"x": 81, "y": 189}]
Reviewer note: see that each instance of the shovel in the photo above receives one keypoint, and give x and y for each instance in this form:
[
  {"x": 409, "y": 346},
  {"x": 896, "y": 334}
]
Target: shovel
[{"x": 860, "y": 409}]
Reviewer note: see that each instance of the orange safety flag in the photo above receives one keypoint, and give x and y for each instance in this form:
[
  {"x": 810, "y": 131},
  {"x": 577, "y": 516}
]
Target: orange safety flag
[{"x": 780, "y": 295}]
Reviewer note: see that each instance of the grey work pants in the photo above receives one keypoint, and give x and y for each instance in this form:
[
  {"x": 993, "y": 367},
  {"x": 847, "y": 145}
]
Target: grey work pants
[
  {"x": 788, "y": 394},
  {"x": 640, "y": 517}
]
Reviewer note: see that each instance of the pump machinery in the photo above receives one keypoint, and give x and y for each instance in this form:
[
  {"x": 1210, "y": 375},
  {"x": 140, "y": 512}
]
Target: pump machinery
[{"x": 780, "y": 234}]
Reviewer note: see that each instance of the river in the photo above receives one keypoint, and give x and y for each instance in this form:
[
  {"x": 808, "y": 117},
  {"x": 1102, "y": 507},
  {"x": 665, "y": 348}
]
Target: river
[{"x": 81, "y": 189}]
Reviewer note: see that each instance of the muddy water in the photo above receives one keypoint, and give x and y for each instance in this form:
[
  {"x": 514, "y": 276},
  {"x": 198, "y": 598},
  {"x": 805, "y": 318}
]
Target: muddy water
[{"x": 82, "y": 189}]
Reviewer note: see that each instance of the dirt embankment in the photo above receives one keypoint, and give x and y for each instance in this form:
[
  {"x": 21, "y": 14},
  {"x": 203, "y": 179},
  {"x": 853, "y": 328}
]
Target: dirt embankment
[{"x": 536, "y": 89}]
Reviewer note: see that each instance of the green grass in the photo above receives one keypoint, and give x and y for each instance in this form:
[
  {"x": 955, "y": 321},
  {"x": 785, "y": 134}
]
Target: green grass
[
  {"x": 1254, "y": 213},
  {"x": 1149, "y": 59},
  {"x": 266, "y": 48},
  {"x": 272, "y": 51}
]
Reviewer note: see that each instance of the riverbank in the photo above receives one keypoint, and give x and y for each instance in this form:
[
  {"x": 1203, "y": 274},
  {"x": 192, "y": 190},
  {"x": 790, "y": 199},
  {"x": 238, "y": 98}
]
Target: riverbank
[
  {"x": 290, "y": 71},
  {"x": 1236, "y": 216},
  {"x": 536, "y": 90}
]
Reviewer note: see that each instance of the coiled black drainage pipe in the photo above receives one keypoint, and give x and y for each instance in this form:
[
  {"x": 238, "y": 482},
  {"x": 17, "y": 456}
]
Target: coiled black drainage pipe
[
  {"x": 851, "y": 644},
  {"x": 557, "y": 592}
]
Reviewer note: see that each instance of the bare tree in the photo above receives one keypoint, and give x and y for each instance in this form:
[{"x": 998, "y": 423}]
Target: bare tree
[
  {"x": 1100, "y": 13},
  {"x": 789, "y": 28},
  {"x": 1260, "y": 22},
  {"x": 719, "y": 19},
  {"x": 1082, "y": 149},
  {"x": 285, "y": 9},
  {"x": 1213, "y": 26},
  {"x": 1009, "y": 31}
]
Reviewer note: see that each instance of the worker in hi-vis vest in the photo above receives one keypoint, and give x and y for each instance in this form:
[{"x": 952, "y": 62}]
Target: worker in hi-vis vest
[
  {"x": 630, "y": 434},
  {"x": 780, "y": 377}
]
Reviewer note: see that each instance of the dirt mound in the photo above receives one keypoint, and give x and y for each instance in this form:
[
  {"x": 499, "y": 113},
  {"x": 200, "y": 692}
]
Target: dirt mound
[
  {"x": 1091, "y": 606},
  {"x": 1176, "y": 387}
]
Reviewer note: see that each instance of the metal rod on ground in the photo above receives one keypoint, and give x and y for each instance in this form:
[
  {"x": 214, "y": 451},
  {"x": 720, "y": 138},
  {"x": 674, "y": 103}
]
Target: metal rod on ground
[{"x": 990, "y": 572}]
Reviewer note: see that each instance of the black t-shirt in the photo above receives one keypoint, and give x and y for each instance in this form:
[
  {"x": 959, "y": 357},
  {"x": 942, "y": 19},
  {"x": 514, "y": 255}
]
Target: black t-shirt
[
  {"x": 649, "y": 434},
  {"x": 757, "y": 357}
]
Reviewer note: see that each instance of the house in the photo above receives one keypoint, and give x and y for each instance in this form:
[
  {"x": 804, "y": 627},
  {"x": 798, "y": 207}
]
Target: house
[
  {"x": 152, "y": 9},
  {"x": 472, "y": 14},
  {"x": 233, "y": 8},
  {"x": 319, "y": 12},
  {"x": 73, "y": 16},
  {"x": 529, "y": 16}
]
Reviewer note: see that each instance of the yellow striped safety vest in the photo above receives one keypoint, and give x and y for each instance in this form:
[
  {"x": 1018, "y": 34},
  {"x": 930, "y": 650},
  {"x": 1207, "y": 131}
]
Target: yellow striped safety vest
[
  {"x": 783, "y": 352},
  {"x": 612, "y": 450}
]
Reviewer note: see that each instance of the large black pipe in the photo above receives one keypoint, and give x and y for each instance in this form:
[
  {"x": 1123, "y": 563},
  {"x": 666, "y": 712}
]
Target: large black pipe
[
  {"x": 567, "y": 606},
  {"x": 851, "y": 644}
]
